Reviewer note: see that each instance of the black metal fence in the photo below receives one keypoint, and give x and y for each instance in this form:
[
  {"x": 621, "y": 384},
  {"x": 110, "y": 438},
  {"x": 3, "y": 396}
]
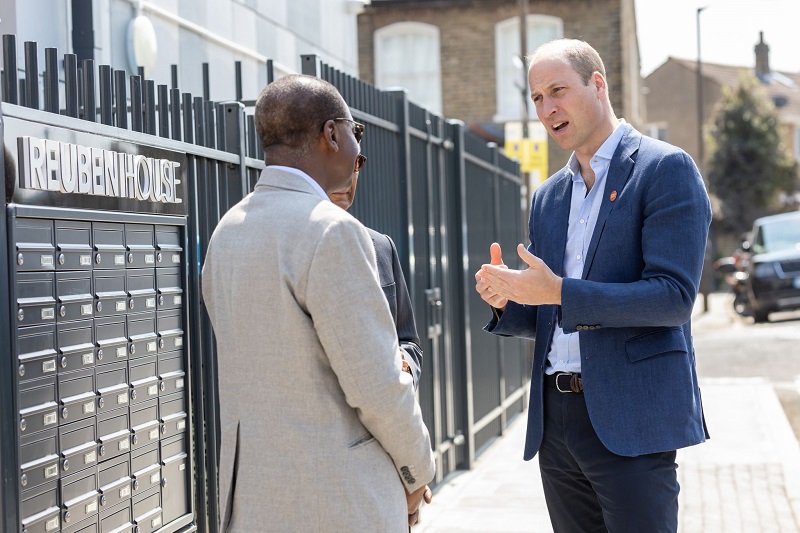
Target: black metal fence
[{"x": 440, "y": 192}]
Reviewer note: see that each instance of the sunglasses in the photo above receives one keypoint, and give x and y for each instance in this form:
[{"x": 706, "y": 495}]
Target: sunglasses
[
  {"x": 360, "y": 160},
  {"x": 358, "y": 128}
]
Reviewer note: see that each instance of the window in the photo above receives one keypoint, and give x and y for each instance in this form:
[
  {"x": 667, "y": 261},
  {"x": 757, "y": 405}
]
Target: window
[
  {"x": 509, "y": 69},
  {"x": 407, "y": 55},
  {"x": 657, "y": 131},
  {"x": 797, "y": 142}
]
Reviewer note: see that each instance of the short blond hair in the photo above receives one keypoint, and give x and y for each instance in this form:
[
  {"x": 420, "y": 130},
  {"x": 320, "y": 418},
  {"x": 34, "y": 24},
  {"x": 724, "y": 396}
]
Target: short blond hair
[{"x": 579, "y": 54}]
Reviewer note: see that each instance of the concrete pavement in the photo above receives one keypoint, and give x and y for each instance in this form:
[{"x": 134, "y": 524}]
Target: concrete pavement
[{"x": 745, "y": 479}]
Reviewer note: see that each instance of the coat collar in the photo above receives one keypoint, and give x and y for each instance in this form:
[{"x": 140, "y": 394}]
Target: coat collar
[
  {"x": 618, "y": 173},
  {"x": 277, "y": 178}
]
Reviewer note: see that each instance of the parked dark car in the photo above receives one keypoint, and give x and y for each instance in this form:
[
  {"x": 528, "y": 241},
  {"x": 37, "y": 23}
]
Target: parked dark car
[{"x": 772, "y": 263}]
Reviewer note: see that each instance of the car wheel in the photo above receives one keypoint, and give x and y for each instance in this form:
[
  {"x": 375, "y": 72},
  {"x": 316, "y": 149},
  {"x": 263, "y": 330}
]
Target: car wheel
[{"x": 760, "y": 316}]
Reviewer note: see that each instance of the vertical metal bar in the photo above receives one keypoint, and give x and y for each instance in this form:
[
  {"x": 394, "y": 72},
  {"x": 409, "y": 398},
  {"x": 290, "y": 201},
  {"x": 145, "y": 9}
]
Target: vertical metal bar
[
  {"x": 175, "y": 112},
  {"x": 238, "y": 76},
  {"x": 10, "y": 65},
  {"x": 501, "y": 356},
  {"x": 174, "y": 76},
  {"x": 206, "y": 83},
  {"x": 235, "y": 142},
  {"x": 89, "y": 103},
  {"x": 71, "y": 85},
  {"x": 51, "y": 80},
  {"x": 150, "y": 107},
  {"x": 120, "y": 86},
  {"x": 270, "y": 72},
  {"x": 251, "y": 136},
  {"x": 163, "y": 111},
  {"x": 211, "y": 130},
  {"x": 466, "y": 276},
  {"x": 140, "y": 72},
  {"x": 80, "y": 92},
  {"x": 31, "y": 75},
  {"x": 136, "y": 104},
  {"x": 22, "y": 91},
  {"x": 188, "y": 118},
  {"x": 106, "y": 95},
  {"x": 199, "y": 121}
]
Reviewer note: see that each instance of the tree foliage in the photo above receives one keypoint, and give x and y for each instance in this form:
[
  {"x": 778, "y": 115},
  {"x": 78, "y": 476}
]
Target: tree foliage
[{"x": 748, "y": 166}]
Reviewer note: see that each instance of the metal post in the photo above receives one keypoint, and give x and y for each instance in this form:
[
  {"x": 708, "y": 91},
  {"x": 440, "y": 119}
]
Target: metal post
[
  {"x": 51, "y": 103},
  {"x": 310, "y": 65},
  {"x": 89, "y": 100},
  {"x": 700, "y": 140},
  {"x": 136, "y": 103},
  {"x": 106, "y": 95},
  {"x": 150, "y": 107},
  {"x": 163, "y": 111},
  {"x": 120, "y": 89},
  {"x": 31, "y": 75},
  {"x": 10, "y": 65},
  {"x": 71, "y": 85}
]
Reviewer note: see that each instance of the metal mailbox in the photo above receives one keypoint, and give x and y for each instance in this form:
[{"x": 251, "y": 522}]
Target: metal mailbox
[
  {"x": 140, "y": 246},
  {"x": 109, "y": 287},
  {"x": 172, "y": 409},
  {"x": 74, "y": 295},
  {"x": 111, "y": 335},
  {"x": 36, "y": 352},
  {"x": 38, "y": 457},
  {"x": 77, "y": 396},
  {"x": 108, "y": 241},
  {"x": 75, "y": 345},
  {"x": 147, "y": 511},
  {"x": 79, "y": 496},
  {"x": 38, "y": 409},
  {"x": 142, "y": 334},
  {"x": 113, "y": 433},
  {"x": 117, "y": 519},
  {"x": 114, "y": 478},
  {"x": 35, "y": 245},
  {"x": 141, "y": 285},
  {"x": 171, "y": 372},
  {"x": 146, "y": 468},
  {"x": 36, "y": 298},
  {"x": 168, "y": 246},
  {"x": 170, "y": 293},
  {"x": 40, "y": 509},
  {"x": 143, "y": 377},
  {"x": 73, "y": 245},
  {"x": 78, "y": 445},
  {"x": 170, "y": 330},
  {"x": 87, "y": 526},
  {"x": 174, "y": 478},
  {"x": 145, "y": 424}
]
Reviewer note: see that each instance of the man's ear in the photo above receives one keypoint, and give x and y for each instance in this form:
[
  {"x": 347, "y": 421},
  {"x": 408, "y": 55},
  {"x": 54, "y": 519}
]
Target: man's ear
[
  {"x": 330, "y": 136},
  {"x": 599, "y": 83}
]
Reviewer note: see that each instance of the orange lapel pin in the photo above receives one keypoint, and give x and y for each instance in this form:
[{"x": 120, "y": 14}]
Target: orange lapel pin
[{"x": 613, "y": 196}]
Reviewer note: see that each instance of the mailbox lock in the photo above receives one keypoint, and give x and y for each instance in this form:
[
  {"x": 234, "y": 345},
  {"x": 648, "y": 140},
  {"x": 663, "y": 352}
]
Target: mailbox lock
[
  {"x": 23, "y": 425},
  {"x": 135, "y": 484},
  {"x": 63, "y": 362},
  {"x": 20, "y": 315},
  {"x": 100, "y": 402},
  {"x": 65, "y": 465},
  {"x": 67, "y": 516},
  {"x": 61, "y": 259},
  {"x": 100, "y": 354},
  {"x": 97, "y": 259},
  {"x": 161, "y": 300},
  {"x": 159, "y": 257},
  {"x": 102, "y": 499},
  {"x": 102, "y": 450},
  {"x": 135, "y": 438},
  {"x": 99, "y": 306},
  {"x": 133, "y": 394},
  {"x": 136, "y": 529},
  {"x": 130, "y": 258},
  {"x": 62, "y": 310},
  {"x": 130, "y": 303},
  {"x": 23, "y": 480},
  {"x": 64, "y": 413},
  {"x": 21, "y": 370},
  {"x": 162, "y": 386},
  {"x": 133, "y": 349},
  {"x": 20, "y": 259},
  {"x": 161, "y": 343},
  {"x": 163, "y": 482},
  {"x": 163, "y": 429}
]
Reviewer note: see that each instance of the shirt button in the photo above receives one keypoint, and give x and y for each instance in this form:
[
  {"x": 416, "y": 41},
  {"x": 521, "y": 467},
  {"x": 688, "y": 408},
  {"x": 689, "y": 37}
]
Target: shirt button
[
  {"x": 582, "y": 221},
  {"x": 579, "y": 258}
]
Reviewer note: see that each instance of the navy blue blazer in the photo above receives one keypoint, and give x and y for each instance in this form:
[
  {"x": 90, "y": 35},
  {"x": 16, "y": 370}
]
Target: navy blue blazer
[
  {"x": 394, "y": 288},
  {"x": 633, "y": 303}
]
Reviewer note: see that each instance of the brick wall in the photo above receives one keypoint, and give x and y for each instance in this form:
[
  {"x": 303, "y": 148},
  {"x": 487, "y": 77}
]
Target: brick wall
[{"x": 467, "y": 33}]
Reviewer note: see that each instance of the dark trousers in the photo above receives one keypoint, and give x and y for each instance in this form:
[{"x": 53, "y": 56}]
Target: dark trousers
[{"x": 590, "y": 489}]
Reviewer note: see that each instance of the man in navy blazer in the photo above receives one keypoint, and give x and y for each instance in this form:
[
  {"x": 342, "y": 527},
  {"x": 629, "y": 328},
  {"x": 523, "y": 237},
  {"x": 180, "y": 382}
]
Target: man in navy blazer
[
  {"x": 392, "y": 281},
  {"x": 617, "y": 241}
]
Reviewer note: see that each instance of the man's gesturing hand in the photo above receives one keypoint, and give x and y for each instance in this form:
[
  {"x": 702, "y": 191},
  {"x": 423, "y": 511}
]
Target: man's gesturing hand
[
  {"x": 535, "y": 285},
  {"x": 414, "y": 500},
  {"x": 483, "y": 288}
]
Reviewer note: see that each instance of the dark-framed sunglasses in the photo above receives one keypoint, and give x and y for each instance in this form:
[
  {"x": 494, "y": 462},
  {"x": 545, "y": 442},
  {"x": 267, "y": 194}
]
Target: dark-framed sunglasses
[
  {"x": 360, "y": 160},
  {"x": 358, "y": 128}
]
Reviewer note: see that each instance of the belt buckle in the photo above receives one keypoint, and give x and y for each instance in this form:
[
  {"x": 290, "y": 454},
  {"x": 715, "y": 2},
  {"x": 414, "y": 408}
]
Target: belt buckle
[{"x": 558, "y": 385}]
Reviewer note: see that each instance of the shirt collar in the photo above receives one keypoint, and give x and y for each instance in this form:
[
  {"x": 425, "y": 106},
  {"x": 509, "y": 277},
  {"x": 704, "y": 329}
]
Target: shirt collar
[
  {"x": 606, "y": 150},
  {"x": 298, "y": 172}
]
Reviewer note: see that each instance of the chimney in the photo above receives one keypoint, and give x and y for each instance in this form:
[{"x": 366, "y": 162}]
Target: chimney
[{"x": 762, "y": 55}]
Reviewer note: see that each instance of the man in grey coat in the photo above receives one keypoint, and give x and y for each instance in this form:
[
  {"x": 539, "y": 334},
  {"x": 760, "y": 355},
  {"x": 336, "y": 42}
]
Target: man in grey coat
[{"x": 319, "y": 425}]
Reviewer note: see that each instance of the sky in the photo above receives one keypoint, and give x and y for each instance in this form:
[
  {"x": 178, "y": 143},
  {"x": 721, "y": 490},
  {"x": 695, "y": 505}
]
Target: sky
[{"x": 728, "y": 31}]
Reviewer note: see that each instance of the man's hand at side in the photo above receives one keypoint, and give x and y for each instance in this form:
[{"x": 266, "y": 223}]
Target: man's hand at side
[{"x": 414, "y": 500}]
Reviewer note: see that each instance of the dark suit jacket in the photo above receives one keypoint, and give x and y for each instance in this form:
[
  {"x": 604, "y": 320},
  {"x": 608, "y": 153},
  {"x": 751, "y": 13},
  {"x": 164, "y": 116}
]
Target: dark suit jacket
[
  {"x": 633, "y": 303},
  {"x": 396, "y": 292}
]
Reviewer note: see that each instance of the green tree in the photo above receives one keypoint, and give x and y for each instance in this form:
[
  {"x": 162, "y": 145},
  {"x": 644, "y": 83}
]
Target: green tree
[{"x": 748, "y": 166}]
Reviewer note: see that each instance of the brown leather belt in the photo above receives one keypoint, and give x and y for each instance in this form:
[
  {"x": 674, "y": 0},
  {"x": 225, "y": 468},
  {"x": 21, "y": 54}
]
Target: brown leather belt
[{"x": 564, "y": 382}]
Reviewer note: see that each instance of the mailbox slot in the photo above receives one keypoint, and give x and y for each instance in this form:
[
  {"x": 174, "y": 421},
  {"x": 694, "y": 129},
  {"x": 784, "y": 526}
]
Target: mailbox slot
[
  {"x": 114, "y": 478},
  {"x": 171, "y": 372},
  {"x": 79, "y": 496},
  {"x": 75, "y": 345},
  {"x": 168, "y": 246},
  {"x": 109, "y": 287},
  {"x": 112, "y": 386},
  {"x": 142, "y": 334},
  {"x": 146, "y": 468},
  {"x": 147, "y": 511},
  {"x": 111, "y": 334},
  {"x": 77, "y": 396},
  {"x": 34, "y": 244},
  {"x": 109, "y": 245},
  {"x": 143, "y": 378},
  {"x": 114, "y": 434},
  {"x": 169, "y": 283},
  {"x": 145, "y": 424},
  {"x": 38, "y": 457},
  {"x": 38, "y": 409},
  {"x": 141, "y": 285},
  {"x": 40, "y": 510},
  {"x": 140, "y": 246},
  {"x": 116, "y": 519}
]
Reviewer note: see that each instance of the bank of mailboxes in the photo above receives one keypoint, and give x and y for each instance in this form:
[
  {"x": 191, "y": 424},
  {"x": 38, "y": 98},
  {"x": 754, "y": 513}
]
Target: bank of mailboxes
[{"x": 102, "y": 419}]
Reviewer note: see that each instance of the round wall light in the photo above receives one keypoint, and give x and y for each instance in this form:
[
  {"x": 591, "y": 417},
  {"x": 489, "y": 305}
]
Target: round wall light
[{"x": 142, "y": 44}]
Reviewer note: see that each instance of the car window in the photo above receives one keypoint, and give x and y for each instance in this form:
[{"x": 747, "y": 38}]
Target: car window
[{"x": 778, "y": 236}]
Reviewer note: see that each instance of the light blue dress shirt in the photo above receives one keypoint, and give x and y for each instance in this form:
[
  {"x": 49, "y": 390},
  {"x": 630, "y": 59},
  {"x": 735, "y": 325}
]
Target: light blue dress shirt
[{"x": 565, "y": 350}]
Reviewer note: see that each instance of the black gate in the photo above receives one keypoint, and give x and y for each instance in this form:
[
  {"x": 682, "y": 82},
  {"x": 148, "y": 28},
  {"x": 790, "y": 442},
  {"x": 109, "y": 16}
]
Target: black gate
[{"x": 129, "y": 286}]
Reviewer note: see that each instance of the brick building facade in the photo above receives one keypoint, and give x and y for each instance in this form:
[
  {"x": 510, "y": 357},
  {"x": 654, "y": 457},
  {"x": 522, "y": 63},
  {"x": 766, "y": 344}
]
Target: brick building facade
[{"x": 468, "y": 39}]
